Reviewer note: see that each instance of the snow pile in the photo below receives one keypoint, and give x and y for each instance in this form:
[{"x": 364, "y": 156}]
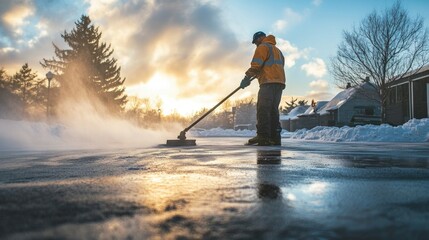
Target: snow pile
[{"x": 415, "y": 130}]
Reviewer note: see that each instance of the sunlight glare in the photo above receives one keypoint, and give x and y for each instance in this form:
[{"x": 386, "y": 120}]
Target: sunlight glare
[
  {"x": 162, "y": 86},
  {"x": 316, "y": 188}
]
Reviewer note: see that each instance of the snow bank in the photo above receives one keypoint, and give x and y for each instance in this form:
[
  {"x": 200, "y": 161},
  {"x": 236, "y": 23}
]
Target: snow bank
[{"x": 415, "y": 130}]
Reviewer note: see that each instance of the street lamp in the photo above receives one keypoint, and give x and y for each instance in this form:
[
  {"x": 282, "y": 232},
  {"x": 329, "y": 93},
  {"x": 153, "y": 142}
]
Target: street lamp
[
  {"x": 49, "y": 76},
  {"x": 234, "y": 110}
]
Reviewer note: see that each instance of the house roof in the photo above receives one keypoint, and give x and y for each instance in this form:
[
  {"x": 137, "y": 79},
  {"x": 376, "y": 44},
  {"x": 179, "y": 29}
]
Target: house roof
[
  {"x": 342, "y": 97},
  {"x": 294, "y": 112},
  {"x": 311, "y": 111},
  {"x": 411, "y": 76},
  {"x": 319, "y": 105},
  {"x": 413, "y": 72}
]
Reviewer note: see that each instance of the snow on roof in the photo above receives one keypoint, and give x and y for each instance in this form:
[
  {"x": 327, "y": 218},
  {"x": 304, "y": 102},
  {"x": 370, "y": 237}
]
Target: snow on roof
[
  {"x": 311, "y": 110},
  {"x": 413, "y": 72},
  {"x": 342, "y": 97},
  {"x": 294, "y": 112}
]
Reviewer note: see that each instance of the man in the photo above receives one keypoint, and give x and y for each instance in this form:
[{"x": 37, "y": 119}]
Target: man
[{"x": 268, "y": 66}]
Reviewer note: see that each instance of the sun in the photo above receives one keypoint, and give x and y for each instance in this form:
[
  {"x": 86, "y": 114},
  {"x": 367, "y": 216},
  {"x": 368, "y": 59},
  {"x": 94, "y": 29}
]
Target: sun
[{"x": 165, "y": 98}]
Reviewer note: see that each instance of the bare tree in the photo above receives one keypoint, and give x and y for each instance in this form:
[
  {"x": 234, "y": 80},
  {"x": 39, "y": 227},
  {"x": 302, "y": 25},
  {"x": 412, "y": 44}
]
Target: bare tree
[{"x": 384, "y": 47}]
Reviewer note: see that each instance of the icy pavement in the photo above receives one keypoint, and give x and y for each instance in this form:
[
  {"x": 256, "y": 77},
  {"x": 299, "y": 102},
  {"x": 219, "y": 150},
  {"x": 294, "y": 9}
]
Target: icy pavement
[{"x": 218, "y": 190}]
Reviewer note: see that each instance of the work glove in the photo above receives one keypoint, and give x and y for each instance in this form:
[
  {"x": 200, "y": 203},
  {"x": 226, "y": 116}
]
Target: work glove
[{"x": 245, "y": 82}]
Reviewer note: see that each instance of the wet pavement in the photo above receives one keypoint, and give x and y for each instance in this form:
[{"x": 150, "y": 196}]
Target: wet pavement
[{"x": 218, "y": 190}]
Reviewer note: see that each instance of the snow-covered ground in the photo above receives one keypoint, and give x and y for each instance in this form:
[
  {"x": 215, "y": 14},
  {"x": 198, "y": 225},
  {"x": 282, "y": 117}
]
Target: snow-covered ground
[{"x": 37, "y": 135}]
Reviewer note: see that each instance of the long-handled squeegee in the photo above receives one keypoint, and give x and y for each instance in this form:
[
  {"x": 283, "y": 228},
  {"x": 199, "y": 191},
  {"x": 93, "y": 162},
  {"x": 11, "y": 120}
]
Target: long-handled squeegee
[{"x": 181, "y": 139}]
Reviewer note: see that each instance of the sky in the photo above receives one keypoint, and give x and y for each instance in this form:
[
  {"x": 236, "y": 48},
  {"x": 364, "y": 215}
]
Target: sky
[{"x": 190, "y": 54}]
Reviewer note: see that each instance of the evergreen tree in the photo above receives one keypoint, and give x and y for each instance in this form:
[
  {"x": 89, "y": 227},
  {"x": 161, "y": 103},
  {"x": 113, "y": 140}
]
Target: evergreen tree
[
  {"x": 88, "y": 65},
  {"x": 25, "y": 83},
  {"x": 302, "y": 102},
  {"x": 11, "y": 105},
  {"x": 3, "y": 78},
  {"x": 289, "y": 105}
]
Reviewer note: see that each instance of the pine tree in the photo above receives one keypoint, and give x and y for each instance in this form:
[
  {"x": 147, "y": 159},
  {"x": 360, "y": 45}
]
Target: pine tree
[
  {"x": 290, "y": 105},
  {"x": 3, "y": 78},
  {"x": 302, "y": 102},
  {"x": 25, "y": 84},
  {"x": 89, "y": 65},
  {"x": 11, "y": 105}
]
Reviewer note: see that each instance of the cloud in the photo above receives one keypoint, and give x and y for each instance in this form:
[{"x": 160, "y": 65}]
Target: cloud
[
  {"x": 185, "y": 45},
  {"x": 280, "y": 25},
  {"x": 14, "y": 23},
  {"x": 16, "y": 17},
  {"x": 320, "y": 90},
  {"x": 321, "y": 84},
  {"x": 290, "y": 52},
  {"x": 316, "y": 68},
  {"x": 317, "y": 2},
  {"x": 28, "y": 28},
  {"x": 184, "y": 41},
  {"x": 290, "y": 18},
  {"x": 181, "y": 39}
]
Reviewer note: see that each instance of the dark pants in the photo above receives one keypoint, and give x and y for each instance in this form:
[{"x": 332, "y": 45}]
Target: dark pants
[{"x": 269, "y": 97}]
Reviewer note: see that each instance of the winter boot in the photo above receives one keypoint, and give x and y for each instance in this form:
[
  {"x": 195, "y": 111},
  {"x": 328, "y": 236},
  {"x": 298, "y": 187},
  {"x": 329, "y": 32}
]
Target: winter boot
[
  {"x": 253, "y": 141},
  {"x": 264, "y": 141},
  {"x": 259, "y": 141},
  {"x": 276, "y": 142},
  {"x": 276, "y": 138}
]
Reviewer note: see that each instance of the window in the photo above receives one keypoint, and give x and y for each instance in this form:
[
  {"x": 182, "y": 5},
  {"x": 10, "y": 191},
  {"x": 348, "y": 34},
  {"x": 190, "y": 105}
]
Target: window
[
  {"x": 364, "y": 110},
  {"x": 392, "y": 95},
  {"x": 399, "y": 94}
]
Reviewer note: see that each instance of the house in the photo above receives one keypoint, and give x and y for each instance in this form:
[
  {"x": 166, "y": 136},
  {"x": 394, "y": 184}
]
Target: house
[
  {"x": 310, "y": 118},
  {"x": 285, "y": 119},
  {"x": 408, "y": 98},
  {"x": 352, "y": 106}
]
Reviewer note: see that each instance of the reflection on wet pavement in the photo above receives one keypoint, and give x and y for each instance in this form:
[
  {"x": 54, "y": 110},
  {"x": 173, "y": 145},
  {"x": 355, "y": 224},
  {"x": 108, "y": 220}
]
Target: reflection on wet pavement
[{"x": 302, "y": 190}]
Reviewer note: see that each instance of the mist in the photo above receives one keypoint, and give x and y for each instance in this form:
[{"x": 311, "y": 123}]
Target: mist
[
  {"x": 80, "y": 120},
  {"x": 87, "y": 130}
]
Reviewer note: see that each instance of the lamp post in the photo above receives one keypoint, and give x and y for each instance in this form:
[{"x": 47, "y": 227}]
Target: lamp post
[
  {"x": 49, "y": 76},
  {"x": 234, "y": 110}
]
